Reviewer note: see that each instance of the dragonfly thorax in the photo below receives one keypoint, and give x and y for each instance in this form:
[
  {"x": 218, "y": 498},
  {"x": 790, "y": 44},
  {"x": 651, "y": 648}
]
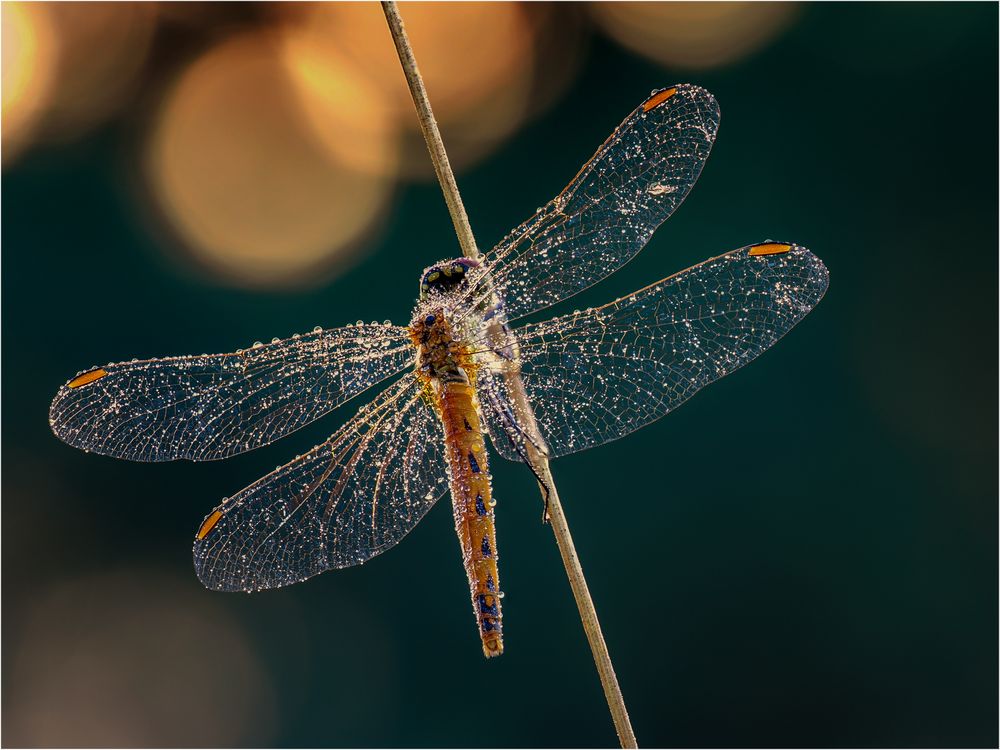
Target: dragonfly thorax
[
  {"x": 445, "y": 276},
  {"x": 440, "y": 355}
]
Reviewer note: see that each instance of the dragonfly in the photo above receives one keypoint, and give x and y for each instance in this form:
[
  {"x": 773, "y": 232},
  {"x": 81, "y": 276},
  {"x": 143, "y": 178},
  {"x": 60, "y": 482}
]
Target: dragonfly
[{"x": 460, "y": 373}]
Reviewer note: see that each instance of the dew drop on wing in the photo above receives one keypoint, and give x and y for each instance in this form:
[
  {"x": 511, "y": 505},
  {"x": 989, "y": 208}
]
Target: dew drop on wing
[
  {"x": 658, "y": 188},
  {"x": 318, "y": 329}
]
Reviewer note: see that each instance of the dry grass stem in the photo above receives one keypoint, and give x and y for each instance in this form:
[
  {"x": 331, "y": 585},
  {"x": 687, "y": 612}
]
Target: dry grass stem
[{"x": 560, "y": 527}]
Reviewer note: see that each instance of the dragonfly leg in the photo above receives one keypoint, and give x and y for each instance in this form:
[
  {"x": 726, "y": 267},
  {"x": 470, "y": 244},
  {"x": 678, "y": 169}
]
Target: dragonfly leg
[
  {"x": 522, "y": 443},
  {"x": 541, "y": 482},
  {"x": 546, "y": 492}
]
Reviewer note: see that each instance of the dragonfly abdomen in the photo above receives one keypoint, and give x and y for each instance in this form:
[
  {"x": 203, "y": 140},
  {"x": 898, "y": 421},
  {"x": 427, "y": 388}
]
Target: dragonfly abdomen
[{"x": 472, "y": 500}]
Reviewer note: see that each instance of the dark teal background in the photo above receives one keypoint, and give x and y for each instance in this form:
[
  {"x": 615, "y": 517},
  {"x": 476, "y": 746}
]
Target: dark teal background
[{"x": 806, "y": 554}]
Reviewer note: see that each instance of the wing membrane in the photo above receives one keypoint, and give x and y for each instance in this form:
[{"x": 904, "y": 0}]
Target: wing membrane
[
  {"x": 339, "y": 505},
  {"x": 597, "y": 375},
  {"x": 214, "y": 406},
  {"x": 611, "y": 208}
]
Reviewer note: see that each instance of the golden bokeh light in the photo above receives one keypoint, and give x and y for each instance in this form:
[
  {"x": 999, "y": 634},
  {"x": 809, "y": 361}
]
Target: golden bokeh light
[
  {"x": 477, "y": 60},
  {"x": 693, "y": 35},
  {"x": 102, "y": 49},
  {"x": 271, "y": 157},
  {"x": 30, "y": 56},
  {"x": 236, "y": 168},
  {"x": 135, "y": 658},
  {"x": 560, "y": 37},
  {"x": 345, "y": 110}
]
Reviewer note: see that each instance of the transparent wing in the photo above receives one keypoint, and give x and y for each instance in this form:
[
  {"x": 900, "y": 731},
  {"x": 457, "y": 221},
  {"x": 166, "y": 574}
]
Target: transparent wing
[
  {"x": 340, "y": 504},
  {"x": 608, "y": 212},
  {"x": 597, "y": 375},
  {"x": 217, "y": 405}
]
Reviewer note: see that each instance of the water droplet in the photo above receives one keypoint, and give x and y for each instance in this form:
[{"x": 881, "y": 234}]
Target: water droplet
[
  {"x": 257, "y": 344},
  {"x": 658, "y": 188},
  {"x": 318, "y": 329}
]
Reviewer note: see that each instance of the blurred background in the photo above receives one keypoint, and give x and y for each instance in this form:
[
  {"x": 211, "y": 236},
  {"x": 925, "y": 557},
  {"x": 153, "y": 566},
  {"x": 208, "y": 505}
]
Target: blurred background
[{"x": 814, "y": 559}]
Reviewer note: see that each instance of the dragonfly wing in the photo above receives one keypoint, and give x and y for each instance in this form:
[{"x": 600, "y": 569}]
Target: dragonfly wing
[
  {"x": 339, "y": 505},
  {"x": 597, "y": 375},
  {"x": 217, "y": 405},
  {"x": 510, "y": 430},
  {"x": 609, "y": 211}
]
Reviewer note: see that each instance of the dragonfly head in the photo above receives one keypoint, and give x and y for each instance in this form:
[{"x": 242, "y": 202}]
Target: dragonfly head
[{"x": 445, "y": 276}]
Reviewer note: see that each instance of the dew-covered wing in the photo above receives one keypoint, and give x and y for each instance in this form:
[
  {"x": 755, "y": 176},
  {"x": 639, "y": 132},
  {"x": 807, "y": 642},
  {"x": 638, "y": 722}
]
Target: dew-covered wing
[
  {"x": 609, "y": 211},
  {"x": 217, "y": 405},
  {"x": 338, "y": 505},
  {"x": 596, "y": 375}
]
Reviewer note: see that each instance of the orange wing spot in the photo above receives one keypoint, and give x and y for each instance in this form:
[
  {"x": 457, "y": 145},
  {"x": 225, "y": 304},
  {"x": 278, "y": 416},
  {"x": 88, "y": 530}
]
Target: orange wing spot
[
  {"x": 657, "y": 99},
  {"x": 87, "y": 378},
  {"x": 209, "y": 524},
  {"x": 769, "y": 248}
]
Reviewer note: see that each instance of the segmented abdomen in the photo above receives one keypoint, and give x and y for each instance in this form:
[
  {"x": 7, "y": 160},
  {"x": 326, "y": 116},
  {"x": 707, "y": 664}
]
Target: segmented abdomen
[{"x": 472, "y": 501}]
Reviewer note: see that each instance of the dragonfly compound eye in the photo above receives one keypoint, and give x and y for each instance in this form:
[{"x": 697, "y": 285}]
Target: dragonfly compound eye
[{"x": 444, "y": 277}]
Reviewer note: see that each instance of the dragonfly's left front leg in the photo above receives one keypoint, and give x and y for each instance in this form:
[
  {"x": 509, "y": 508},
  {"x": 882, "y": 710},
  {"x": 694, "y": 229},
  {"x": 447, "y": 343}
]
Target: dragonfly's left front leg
[{"x": 506, "y": 409}]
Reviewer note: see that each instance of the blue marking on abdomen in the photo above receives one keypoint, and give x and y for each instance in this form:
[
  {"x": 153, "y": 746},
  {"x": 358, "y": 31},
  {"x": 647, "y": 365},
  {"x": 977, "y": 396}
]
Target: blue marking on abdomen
[
  {"x": 488, "y": 609},
  {"x": 473, "y": 463},
  {"x": 491, "y": 625},
  {"x": 485, "y": 547},
  {"x": 480, "y": 505}
]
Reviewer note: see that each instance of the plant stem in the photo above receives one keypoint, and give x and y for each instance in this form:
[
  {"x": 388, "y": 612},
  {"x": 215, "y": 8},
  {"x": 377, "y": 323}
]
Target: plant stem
[
  {"x": 560, "y": 527},
  {"x": 428, "y": 125}
]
